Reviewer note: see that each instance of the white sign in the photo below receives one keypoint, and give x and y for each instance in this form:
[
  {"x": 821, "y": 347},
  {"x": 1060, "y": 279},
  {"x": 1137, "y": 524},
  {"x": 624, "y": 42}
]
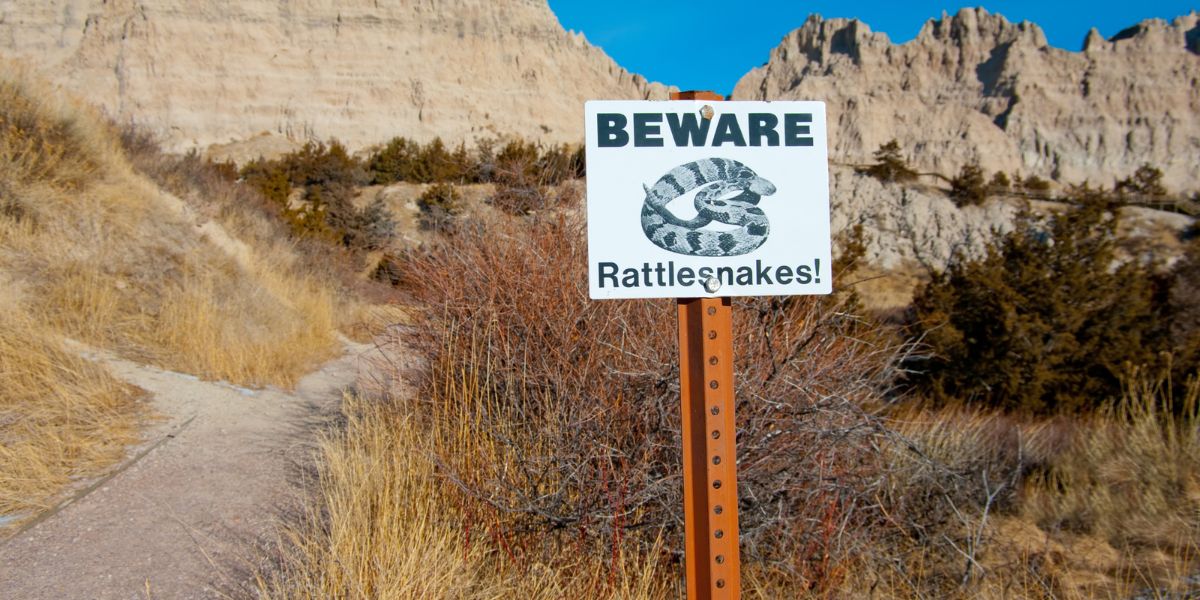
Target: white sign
[{"x": 695, "y": 198}]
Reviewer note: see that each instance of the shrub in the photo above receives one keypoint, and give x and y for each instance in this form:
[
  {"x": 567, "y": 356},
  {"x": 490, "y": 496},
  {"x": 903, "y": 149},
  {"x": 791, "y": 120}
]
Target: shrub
[
  {"x": 439, "y": 205},
  {"x": 1034, "y": 185},
  {"x": 521, "y": 179},
  {"x": 1146, "y": 182},
  {"x": 1084, "y": 194},
  {"x": 518, "y": 163},
  {"x": 270, "y": 179},
  {"x": 1000, "y": 183},
  {"x": 890, "y": 165},
  {"x": 329, "y": 178},
  {"x": 1043, "y": 322},
  {"x": 405, "y": 160},
  {"x": 1184, "y": 309},
  {"x": 370, "y": 228},
  {"x": 561, "y": 163},
  {"x": 394, "y": 161},
  {"x": 321, "y": 164},
  {"x": 968, "y": 188},
  {"x": 572, "y": 405}
]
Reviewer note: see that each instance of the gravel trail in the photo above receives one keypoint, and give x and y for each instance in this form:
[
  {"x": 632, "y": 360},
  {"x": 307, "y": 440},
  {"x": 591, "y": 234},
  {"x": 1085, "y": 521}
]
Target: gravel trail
[{"x": 185, "y": 515}]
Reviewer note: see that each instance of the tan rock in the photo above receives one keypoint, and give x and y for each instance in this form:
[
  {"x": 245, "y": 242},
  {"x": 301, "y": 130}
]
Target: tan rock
[
  {"x": 975, "y": 87},
  {"x": 204, "y": 72}
]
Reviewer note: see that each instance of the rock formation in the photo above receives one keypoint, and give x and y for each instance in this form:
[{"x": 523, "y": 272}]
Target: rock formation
[
  {"x": 976, "y": 88},
  {"x": 917, "y": 228},
  {"x": 203, "y": 72}
]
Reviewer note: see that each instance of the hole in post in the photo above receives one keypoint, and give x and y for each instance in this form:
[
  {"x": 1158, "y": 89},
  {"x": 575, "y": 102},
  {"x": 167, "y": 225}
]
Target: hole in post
[
  {"x": 712, "y": 360},
  {"x": 717, "y": 486},
  {"x": 720, "y": 583},
  {"x": 714, "y": 384},
  {"x": 718, "y": 509},
  {"x": 712, "y": 310},
  {"x": 716, "y": 434},
  {"x": 712, "y": 335},
  {"x": 716, "y": 460},
  {"x": 716, "y": 410},
  {"x": 718, "y": 534},
  {"x": 720, "y": 559}
]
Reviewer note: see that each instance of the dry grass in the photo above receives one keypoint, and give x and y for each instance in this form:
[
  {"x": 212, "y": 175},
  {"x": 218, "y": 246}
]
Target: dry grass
[
  {"x": 389, "y": 525},
  {"x": 1105, "y": 506},
  {"x": 61, "y": 417},
  {"x": 91, "y": 249},
  {"x": 106, "y": 256},
  {"x": 538, "y": 457}
]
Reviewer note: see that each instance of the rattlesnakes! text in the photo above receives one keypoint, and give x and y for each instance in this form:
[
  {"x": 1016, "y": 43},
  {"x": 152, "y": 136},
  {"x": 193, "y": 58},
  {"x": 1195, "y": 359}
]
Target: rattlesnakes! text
[{"x": 666, "y": 275}]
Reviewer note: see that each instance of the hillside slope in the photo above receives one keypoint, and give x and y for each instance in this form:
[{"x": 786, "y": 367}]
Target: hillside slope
[
  {"x": 205, "y": 72},
  {"x": 92, "y": 250},
  {"x": 976, "y": 87}
]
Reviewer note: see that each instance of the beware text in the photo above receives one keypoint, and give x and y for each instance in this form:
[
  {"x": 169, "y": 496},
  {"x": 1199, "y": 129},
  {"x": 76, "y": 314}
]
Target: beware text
[{"x": 689, "y": 129}]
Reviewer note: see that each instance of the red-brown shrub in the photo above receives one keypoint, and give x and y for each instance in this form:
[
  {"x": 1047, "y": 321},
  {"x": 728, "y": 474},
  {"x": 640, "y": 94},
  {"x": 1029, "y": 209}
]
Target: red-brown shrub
[{"x": 583, "y": 397}]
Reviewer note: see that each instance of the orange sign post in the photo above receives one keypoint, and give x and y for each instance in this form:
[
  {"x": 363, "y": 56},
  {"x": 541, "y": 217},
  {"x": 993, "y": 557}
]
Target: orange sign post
[{"x": 710, "y": 499}]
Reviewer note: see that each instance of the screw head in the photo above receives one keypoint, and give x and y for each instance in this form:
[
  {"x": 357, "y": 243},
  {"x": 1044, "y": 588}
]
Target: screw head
[{"x": 712, "y": 284}]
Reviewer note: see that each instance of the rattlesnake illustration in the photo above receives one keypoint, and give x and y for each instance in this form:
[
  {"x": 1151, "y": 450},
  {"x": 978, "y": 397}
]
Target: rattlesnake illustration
[{"x": 722, "y": 177}]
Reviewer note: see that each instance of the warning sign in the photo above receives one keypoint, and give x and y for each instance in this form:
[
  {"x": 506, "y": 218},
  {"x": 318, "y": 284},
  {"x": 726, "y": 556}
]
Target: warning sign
[{"x": 691, "y": 199}]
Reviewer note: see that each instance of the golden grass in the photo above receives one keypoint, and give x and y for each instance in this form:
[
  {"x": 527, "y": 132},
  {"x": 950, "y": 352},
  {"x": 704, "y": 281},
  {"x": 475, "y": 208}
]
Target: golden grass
[
  {"x": 107, "y": 257},
  {"x": 61, "y": 417},
  {"x": 388, "y": 524},
  {"x": 391, "y": 520},
  {"x": 1134, "y": 478},
  {"x": 92, "y": 250},
  {"x": 1105, "y": 506}
]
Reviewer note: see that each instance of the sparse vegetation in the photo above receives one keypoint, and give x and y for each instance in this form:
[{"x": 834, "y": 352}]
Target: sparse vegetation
[
  {"x": 516, "y": 163},
  {"x": 1034, "y": 185},
  {"x": 327, "y": 178},
  {"x": 538, "y": 456},
  {"x": 999, "y": 184},
  {"x": 548, "y": 420},
  {"x": 402, "y": 159},
  {"x": 969, "y": 187},
  {"x": 890, "y": 165},
  {"x": 1145, "y": 184}
]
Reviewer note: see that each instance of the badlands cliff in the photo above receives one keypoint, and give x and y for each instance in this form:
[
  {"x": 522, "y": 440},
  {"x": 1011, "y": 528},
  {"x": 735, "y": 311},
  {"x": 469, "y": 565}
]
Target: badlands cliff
[
  {"x": 975, "y": 87},
  {"x": 972, "y": 87},
  {"x": 209, "y": 71}
]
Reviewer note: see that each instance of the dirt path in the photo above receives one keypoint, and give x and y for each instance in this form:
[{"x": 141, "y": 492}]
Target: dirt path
[{"x": 183, "y": 520}]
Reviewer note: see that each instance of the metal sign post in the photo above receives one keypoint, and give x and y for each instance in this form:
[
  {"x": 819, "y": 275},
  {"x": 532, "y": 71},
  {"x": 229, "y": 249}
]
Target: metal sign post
[
  {"x": 709, "y": 453},
  {"x": 710, "y": 503}
]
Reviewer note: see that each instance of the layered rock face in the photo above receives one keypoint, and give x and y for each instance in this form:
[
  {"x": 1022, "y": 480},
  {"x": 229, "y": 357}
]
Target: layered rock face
[
  {"x": 203, "y": 72},
  {"x": 976, "y": 88}
]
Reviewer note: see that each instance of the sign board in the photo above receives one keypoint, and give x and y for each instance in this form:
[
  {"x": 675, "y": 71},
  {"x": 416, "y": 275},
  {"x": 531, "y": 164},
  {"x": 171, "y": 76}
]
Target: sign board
[{"x": 693, "y": 198}]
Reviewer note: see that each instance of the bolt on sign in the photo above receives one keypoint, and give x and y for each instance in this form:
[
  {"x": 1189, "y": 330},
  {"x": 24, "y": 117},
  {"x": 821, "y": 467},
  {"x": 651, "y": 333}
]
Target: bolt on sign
[{"x": 698, "y": 198}]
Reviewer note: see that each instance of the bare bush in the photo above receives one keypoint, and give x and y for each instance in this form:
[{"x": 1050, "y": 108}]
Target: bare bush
[{"x": 575, "y": 403}]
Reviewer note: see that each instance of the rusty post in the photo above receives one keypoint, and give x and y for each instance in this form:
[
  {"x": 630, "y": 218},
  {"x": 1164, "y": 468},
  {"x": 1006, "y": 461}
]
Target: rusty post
[{"x": 709, "y": 452}]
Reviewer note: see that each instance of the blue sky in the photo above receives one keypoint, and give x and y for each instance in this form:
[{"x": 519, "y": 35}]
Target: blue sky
[{"x": 710, "y": 44}]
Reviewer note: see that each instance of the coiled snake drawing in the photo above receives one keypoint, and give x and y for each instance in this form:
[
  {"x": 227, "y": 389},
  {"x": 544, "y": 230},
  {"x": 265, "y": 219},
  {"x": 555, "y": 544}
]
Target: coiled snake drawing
[{"x": 722, "y": 177}]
